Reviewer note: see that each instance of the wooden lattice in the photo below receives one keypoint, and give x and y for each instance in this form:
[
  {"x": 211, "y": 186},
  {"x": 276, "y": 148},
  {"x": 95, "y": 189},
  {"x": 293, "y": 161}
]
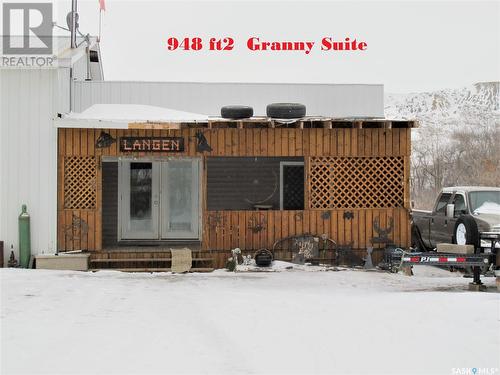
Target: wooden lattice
[
  {"x": 80, "y": 182},
  {"x": 356, "y": 182}
]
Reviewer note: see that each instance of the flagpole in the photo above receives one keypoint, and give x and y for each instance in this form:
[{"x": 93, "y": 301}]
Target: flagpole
[{"x": 100, "y": 22}]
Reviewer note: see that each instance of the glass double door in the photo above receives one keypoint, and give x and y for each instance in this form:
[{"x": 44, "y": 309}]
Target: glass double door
[{"x": 159, "y": 199}]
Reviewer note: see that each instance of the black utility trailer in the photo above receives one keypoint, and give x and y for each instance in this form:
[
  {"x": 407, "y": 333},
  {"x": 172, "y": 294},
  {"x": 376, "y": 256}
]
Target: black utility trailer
[{"x": 480, "y": 261}]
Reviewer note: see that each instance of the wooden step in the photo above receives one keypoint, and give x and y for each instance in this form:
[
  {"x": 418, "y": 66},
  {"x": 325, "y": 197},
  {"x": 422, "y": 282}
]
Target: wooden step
[
  {"x": 124, "y": 260},
  {"x": 196, "y": 269}
]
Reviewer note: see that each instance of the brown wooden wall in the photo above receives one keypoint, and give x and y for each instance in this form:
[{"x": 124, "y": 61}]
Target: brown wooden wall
[
  {"x": 81, "y": 227},
  {"x": 231, "y": 229}
]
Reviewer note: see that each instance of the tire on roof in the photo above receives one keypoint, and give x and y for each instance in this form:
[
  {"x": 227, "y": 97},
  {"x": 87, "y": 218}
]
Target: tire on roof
[
  {"x": 286, "y": 110},
  {"x": 236, "y": 112}
]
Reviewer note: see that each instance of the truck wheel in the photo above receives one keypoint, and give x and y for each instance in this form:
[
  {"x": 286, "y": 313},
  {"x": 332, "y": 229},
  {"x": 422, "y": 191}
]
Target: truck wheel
[
  {"x": 466, "y": 232},
  {"x": 236, "y": 112},
  {"x": 286, "y": 110},
  {"x": 416, "y": 239}
]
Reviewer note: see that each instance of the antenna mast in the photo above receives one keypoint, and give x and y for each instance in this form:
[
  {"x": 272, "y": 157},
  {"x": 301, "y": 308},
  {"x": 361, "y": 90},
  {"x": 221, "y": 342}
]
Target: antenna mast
[{"x": 73, "y": 23}]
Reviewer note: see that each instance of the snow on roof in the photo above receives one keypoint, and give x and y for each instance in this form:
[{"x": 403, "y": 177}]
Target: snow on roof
[
  {"x": 135, "y": 113},
  {"x": 61, "y": 47}
]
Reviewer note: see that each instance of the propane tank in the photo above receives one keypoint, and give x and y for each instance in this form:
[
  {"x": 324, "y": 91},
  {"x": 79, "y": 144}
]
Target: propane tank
[{"x": 24, "y": 238}]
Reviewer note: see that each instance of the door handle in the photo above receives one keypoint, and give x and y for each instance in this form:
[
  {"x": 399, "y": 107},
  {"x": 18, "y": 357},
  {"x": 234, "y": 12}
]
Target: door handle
[{"x": 155, "y": 203}]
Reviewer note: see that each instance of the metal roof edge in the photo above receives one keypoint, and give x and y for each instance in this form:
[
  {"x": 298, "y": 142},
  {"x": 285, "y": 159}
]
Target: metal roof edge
[{"x": 243, "y": 83}]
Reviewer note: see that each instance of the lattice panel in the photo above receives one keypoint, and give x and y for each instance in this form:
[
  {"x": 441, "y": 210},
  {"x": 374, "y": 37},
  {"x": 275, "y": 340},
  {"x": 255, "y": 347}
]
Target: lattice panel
[
  {"x": 356, "y": 182},
  {"x": 80, "y": 182}
]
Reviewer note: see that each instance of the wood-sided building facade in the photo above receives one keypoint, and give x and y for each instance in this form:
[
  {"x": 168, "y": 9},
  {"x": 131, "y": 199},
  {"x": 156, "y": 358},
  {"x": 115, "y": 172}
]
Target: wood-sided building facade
[{"x": 224, "y": 184}]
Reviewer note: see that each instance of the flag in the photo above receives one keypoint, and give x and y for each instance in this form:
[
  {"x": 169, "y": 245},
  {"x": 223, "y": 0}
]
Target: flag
[{"x": 102, "y": 5}]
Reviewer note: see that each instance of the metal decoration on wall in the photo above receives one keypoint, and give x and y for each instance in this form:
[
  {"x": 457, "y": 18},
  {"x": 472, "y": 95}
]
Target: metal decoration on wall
[
  {"x": 349, "y": 215},
  {"x": 215, "y": 220},
  {"x": 299, "y": 216},
  {"x": 307, "y": 246},
  {"x": 104, "y": 140},
  {"x": 76, "y": 230},
  {"x": 326, "y": 215},
  {"x": 201, "y": 142},
  {"x": 383, "y": 233},
  {"x": 257, "y": 223}
]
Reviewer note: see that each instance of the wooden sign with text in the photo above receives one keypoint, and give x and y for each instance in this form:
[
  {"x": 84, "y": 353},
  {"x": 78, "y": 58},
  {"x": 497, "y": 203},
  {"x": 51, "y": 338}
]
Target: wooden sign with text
[{"x": 151, "y": 144}]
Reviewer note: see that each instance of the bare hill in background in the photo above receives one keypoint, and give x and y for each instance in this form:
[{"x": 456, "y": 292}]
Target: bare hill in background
[{"x": 458, "y": 142}]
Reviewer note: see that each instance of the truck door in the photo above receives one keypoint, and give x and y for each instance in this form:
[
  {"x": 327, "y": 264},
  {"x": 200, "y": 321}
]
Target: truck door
[
  {"x": 460, "y": 209},
  {"x": 439, "y": 221}
]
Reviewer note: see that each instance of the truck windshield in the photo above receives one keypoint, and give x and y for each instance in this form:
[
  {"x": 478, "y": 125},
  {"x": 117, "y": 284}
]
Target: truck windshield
[{"x": 484, "y": 201}]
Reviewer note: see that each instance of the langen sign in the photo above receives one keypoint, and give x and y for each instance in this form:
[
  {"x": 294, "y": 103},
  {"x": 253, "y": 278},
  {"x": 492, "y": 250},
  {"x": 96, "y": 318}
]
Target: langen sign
[{"x": 151, "y": 144}]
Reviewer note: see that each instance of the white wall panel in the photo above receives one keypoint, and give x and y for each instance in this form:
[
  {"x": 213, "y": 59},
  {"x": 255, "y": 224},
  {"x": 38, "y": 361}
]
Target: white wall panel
[
  {"x": 28, "y": 155},
  {"x": 207, "y": 98}
]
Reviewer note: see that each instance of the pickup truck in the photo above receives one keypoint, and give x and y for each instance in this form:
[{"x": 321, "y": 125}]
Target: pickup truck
[{"x": 459, "y": 216}]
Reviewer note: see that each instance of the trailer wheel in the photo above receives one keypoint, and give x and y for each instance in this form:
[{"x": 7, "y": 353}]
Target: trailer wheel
[
  {"x": 236, "y": 112},
  {"x": 286, "y": 110},
  {"x": 466, "y": 231}
]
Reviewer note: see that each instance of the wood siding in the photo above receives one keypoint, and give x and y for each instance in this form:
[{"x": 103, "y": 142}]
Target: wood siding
[
  {"x": 222, "y": 230},
  {"x": 230, "y": 229}
]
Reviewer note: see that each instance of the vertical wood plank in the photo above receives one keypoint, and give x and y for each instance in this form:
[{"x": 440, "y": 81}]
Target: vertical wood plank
[
  {"x": 242, "y": 229},
  {"x": 388, "y": 142},
  {"x": 347, "y": 141},
  {"x": 395, "y": 141},
  {"x": 284, "y": 224},
  {"x": 270, "y": 229},
  {"x": 299, "y": 142},
  {"x": 340, "y": 142},
  {"x": 306, "y": 142},
  {"x": 361, "y": 142},
  {"x": 374, "y": 139}
]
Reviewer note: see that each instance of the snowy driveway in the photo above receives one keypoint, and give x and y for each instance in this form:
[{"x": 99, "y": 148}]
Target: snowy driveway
[{"x": 285, "y": 322}]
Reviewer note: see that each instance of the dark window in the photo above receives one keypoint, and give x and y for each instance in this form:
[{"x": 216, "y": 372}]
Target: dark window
[
  {"x": 443, "y": 201},
  {"x": 293, "y": 186},
  {"x": 459, "y": 202},
  {"x": 249, "y": 183}
]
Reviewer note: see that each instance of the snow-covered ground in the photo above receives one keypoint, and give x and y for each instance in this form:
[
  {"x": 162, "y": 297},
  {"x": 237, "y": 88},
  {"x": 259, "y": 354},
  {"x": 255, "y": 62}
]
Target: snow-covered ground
[{"x": 284, "y": 322}]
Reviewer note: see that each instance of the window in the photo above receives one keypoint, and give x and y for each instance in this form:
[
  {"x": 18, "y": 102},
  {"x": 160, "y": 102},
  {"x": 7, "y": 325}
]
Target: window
[
  {"x": 459, "y": 202},
  {"x": 255, "y": 183},
  {"x": 482, "y": 201},
  {"x": 291, "y": 185},
  {"x": 443, "y": 201}
]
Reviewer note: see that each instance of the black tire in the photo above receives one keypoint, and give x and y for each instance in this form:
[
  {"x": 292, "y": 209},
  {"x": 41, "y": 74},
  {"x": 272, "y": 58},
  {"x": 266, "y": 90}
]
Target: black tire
[
  {"x": 416, "y": 239},
  {"x": 286, "y": 110},
  {"x": 471, "y": 230},
  {"x": 236, "y": 112}
]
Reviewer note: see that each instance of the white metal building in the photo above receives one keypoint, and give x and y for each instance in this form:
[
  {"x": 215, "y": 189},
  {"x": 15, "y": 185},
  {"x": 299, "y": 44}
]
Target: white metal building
[{"x": 31, "y": 100}]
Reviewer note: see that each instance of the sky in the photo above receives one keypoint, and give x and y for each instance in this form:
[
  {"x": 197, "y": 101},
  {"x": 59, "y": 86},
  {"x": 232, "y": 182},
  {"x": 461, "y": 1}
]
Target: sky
[{"x": 411, "y": 45}]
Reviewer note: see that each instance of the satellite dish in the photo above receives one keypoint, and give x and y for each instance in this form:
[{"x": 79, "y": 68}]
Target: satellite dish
[{"x": 69, "y": 20}]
